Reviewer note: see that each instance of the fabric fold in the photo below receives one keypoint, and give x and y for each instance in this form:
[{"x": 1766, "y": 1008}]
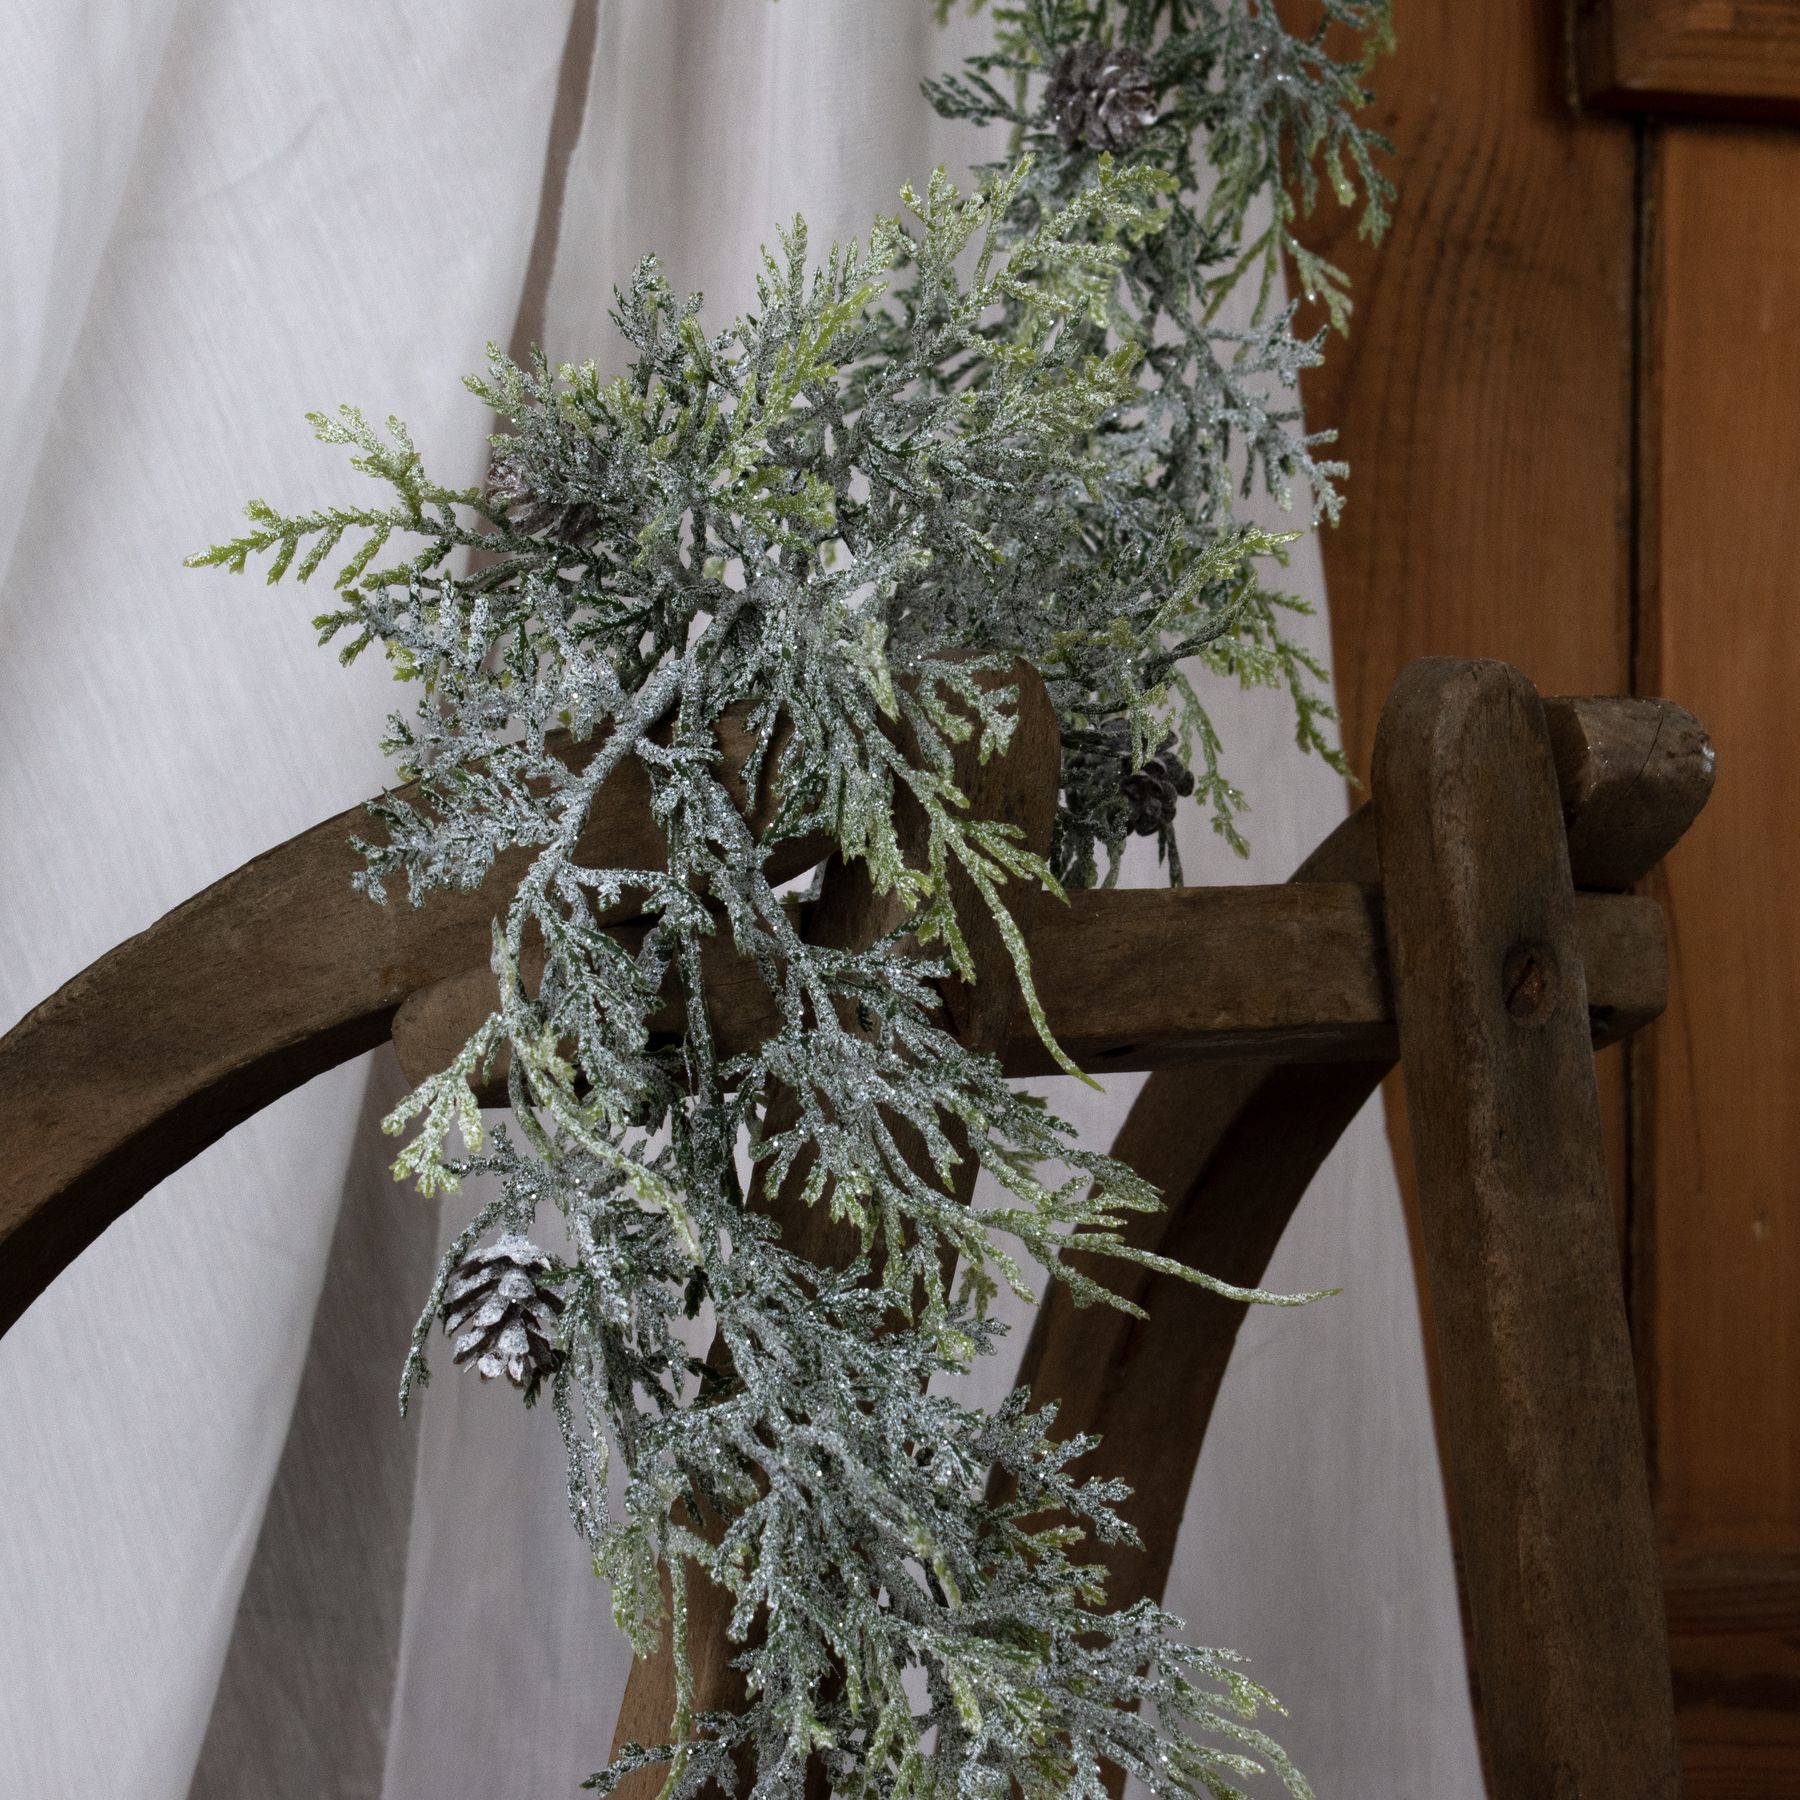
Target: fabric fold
[{"x": 323, "y": 202}]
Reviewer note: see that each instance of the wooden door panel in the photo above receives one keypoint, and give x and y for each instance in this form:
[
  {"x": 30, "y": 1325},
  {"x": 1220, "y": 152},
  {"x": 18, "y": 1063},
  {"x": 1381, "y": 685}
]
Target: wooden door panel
[{"x": 1720, "y": 1080}]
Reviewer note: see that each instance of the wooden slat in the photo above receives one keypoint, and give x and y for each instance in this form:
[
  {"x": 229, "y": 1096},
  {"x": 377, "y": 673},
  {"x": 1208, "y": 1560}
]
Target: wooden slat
[
  {"x": 1710, "y": 58},
  {"x": 1719, "y": 1261},
  {"x": 1543, "y": 1443},
  {"x": 1151, "y": 979},
  {"x": 272, "y": 975}
]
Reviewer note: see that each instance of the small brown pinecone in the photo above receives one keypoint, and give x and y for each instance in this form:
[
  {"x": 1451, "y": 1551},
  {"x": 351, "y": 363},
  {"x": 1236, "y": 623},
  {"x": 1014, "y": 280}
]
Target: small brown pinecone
[
  {"x": 525, "y": 509},
  {"x": 1151, "y": 792},
  {"x": 506, "y": 1312},
  {"x": 1101, "y": 95}
]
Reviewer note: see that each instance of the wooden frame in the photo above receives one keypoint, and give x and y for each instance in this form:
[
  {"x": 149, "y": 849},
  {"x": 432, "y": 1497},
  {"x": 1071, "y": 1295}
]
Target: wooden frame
[
  {"x": 1469, "y": 921},
  {"x": 1708, "y": 58}
]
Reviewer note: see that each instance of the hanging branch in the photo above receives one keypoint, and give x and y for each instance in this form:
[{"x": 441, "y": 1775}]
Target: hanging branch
[{"x": 1007, "y": 425}]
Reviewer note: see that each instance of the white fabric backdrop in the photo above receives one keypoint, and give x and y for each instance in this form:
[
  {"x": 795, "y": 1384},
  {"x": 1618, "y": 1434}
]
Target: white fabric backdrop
[{"x": 216, "y": 218}]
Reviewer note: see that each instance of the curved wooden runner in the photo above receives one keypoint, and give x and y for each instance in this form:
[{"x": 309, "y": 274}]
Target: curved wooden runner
[{"x": 241, "y": 994}]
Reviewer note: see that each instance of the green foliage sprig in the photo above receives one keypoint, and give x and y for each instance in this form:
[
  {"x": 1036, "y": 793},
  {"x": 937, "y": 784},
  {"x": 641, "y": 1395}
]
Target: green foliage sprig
[
  {"x": 1002, "y": 427},
  {"x": 1248, "y": 116}
]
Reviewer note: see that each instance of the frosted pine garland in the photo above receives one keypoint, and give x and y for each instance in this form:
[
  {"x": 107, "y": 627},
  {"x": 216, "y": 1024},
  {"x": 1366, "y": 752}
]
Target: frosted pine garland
[{"x": 1002, "y": 426}]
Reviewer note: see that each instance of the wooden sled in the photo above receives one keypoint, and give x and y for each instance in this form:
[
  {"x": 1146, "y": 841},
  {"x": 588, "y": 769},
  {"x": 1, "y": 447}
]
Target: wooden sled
[{"x": 1471, "y": 921}]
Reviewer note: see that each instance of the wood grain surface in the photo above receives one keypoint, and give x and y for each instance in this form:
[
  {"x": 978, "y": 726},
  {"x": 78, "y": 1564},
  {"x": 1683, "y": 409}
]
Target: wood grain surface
[
  {"x": 1708, "y": 58},
  {"x": 1720, "y": 1237},
  {"x": 1483, "y": 397},
  {"x": 1543, "y": 1442},
  {"x": 1716, "y": 1249},
  {"x": 1734, "y": 1643}
]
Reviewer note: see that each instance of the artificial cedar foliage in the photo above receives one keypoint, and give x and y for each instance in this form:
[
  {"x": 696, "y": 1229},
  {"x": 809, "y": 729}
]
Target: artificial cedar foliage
[{"x": 1007, "y": 426}]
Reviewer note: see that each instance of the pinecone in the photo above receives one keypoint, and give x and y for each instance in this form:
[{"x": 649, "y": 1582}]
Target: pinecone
[
  {"x": 526, "y": 509},
  {"x": 506, "y": 1313},
  {"x": 1101, "y": 95},
  {"x": 1152, "y": 791}
]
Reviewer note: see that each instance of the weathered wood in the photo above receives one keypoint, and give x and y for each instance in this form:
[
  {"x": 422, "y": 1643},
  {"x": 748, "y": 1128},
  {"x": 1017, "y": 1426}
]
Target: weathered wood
[
  {"x": 1690, "y": 57},
  {"x": 1544, "y": 1448},
  {"x": 270, "y": 976},
  {"x": 1154, "y": 978},
  {"x": 1020, "y": 787},
  {"x": 1632, "y": 776},
  {"x": 1235, "y": 1146}
]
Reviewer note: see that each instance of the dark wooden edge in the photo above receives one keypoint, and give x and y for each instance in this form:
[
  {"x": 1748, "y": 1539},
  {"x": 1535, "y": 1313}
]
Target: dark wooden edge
[{"x": 1689, "y": 58}]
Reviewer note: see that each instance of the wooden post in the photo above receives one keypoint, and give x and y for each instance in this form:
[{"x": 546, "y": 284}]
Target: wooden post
[
  {"x": 1545, "y": 1450},
  {"x": 1235, "y": 1145}
]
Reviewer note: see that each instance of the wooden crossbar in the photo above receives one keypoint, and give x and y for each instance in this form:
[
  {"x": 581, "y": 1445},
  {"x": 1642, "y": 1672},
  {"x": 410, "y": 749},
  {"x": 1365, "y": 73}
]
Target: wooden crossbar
[{"x": 1155, "y": 978}]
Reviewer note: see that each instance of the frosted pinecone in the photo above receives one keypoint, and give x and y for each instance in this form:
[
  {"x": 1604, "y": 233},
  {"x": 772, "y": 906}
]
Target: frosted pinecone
[
  {"x": 1101, "y": 95},
  {"x": 506, "y": 1312},
  {"x": 527, "y": 510},
  {"x": 1151, "y": 793}
]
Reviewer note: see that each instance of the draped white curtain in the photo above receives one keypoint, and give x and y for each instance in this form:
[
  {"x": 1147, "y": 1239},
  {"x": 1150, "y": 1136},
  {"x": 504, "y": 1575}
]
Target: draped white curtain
[{"x": 225, "y": 1568}]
